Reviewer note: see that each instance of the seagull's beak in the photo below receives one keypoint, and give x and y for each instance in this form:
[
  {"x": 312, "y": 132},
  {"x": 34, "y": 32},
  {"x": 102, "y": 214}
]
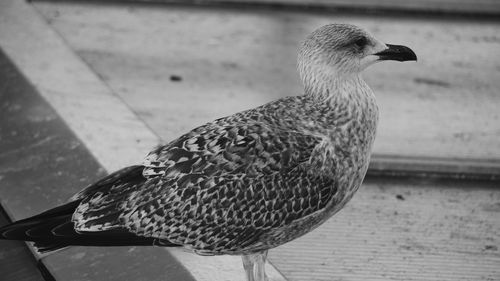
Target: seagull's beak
[{"x": 396, "y": 52}]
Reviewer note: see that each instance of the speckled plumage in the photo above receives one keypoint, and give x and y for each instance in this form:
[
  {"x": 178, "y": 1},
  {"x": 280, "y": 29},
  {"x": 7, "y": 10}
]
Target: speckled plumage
[{"x": 245, "y": 183}]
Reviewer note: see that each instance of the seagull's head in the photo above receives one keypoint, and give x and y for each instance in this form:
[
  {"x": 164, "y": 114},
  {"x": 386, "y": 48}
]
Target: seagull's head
[{"x": 344, "y": 49}]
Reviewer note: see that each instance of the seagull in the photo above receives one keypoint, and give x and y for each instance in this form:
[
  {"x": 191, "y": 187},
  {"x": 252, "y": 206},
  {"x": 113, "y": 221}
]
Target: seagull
[{"x": 245, "y": 183}]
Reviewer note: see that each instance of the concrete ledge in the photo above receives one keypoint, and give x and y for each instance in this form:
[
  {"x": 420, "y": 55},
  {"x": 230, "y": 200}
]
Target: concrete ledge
[
  {"x": 16, "y": 261},
  {"x": 98, "y": 117}
]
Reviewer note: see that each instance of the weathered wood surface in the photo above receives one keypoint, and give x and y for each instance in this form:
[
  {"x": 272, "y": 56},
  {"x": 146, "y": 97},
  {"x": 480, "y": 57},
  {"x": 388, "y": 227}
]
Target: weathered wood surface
[{"x": 443, "y": 106}]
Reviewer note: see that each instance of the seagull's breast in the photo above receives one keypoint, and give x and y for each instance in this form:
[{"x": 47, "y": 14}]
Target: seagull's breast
[{"x": 344, "y": 152}]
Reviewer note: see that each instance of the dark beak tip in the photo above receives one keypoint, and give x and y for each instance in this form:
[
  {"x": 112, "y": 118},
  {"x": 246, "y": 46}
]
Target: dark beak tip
[
  {"x": 413, "y": 56},
  {"x": 398, "y": 53}
]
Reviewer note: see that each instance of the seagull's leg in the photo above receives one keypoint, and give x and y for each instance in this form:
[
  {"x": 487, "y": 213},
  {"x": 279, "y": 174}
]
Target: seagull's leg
[
  {"x": 260, "y": 266},
  {"x": 248, "y": 264}
]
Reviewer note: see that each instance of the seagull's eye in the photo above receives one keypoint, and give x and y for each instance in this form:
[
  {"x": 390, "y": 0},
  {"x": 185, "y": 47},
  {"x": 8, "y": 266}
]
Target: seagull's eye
[{"x": 361, "y": 42}]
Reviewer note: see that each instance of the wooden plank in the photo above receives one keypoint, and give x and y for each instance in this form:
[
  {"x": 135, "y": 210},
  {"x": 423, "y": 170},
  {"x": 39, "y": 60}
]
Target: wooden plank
[{"x": 436, "y": 115}]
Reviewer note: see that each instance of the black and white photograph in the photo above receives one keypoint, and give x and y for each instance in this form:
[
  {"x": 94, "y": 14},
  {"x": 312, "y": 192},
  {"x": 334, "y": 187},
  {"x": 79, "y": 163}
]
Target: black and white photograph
[{"x": 249, "y": 140}]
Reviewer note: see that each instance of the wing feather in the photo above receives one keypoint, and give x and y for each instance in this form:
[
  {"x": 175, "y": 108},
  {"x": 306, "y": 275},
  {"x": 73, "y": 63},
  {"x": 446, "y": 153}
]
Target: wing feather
[{"x": 216, "y": 189}]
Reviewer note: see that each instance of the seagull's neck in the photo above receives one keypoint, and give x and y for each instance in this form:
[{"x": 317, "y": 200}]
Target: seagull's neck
[
  {"x": 345, "y": 98},
  {"x": 334, "y": 88},
  {"x": 348, "y": 118}
]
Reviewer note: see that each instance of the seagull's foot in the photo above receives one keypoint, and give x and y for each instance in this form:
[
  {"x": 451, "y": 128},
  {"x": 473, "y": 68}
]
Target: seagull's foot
[
  {"x": 255, "y": 266},
  {"x": 248, "y": 263}
]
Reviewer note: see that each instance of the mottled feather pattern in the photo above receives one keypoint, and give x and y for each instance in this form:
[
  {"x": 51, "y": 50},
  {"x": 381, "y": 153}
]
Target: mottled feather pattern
[
  {"x": 224, "y": 186},
  {"x": 100, "y": 200}
]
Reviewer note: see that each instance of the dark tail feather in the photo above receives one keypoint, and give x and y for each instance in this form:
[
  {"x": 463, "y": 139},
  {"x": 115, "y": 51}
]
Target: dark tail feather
[
  {"x": 55, "y": 232},
  {"x": 38, "y": 226},
  {"x": 38, "y": 229},
  {"x": 53, "y": 229}
]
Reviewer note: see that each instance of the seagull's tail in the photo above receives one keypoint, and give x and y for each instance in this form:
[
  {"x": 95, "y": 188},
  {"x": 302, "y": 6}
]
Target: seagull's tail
[
  {"x": 43, "y": 229},
  {"x": 54, "y": 229}
]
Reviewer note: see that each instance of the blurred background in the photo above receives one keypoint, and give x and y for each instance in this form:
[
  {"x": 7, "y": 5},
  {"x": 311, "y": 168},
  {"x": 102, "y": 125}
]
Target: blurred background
[{"x": 430, "y": 207}]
